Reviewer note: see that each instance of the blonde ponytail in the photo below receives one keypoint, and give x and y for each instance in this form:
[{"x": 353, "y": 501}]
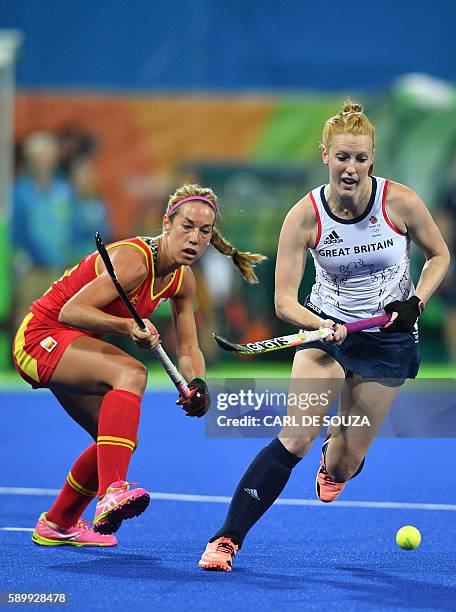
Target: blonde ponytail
[{"x": 244, "y": 260}]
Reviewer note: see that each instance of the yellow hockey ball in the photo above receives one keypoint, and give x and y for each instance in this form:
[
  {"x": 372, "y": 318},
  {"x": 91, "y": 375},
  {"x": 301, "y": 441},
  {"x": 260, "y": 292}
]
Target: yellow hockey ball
[{"x": 408, "y": 537}]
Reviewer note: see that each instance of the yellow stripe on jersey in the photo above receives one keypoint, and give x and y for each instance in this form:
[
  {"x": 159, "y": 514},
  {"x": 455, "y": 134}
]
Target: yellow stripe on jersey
[
  {"x": 78, "y": 487},
  {"x": 26, "y": 362},
  {"x": 119, "y": 244},
  {"x": 179, "y": 282}
]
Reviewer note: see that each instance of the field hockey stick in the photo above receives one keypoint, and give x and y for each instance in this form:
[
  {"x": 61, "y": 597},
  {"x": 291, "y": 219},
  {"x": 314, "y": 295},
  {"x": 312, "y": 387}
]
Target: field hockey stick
[
  {"x": 159, "y": 352},
  {"x": 303, "y": 337}
]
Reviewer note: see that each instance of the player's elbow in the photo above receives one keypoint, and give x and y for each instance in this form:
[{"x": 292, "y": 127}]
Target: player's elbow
[
  {"x": 446, "y": 261},
  {"x": 441, "y": 256},
  {"x": 281, "y": 305},
  {"x": 446, "y": 256}
]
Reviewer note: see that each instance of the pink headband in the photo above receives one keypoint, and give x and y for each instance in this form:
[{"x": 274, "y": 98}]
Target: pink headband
[{"x": 172, "y": 208}]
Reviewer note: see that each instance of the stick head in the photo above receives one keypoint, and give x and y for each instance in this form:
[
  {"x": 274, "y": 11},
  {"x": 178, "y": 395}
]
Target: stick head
[{"x": 225, "y": 344}]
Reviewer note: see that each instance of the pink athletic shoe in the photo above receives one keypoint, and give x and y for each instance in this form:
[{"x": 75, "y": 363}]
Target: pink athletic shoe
[
  {"x": 119, "y": 503},
  {"x": 81, "y": 534}
]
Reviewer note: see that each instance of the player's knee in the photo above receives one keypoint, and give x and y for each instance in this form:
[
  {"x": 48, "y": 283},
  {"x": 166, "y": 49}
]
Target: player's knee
[
  {"x": 297, "y": 446},
  {"x": 133, "y": 377}
]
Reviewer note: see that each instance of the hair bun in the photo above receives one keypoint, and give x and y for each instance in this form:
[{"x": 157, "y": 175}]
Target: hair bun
[{"x": 352, "y": 107}]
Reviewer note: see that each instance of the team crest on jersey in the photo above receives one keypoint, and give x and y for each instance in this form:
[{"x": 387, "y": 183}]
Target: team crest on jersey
[
  {"x": 134, "y": 299},
  {"x": 48, "y": 344},
  {"x": 374, "y": 226}
]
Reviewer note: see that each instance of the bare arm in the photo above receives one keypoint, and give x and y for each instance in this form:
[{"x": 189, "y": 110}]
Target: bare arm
[
  {"x": 299, "y": 231},
  {"x": 408, "y": 211},
  {"x": 190, "y": 357},
  {"x": 83, "y": 310}
]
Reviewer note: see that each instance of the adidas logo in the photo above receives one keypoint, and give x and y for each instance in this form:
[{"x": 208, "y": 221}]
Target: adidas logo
[
  {"x": 333, "y": 238},
  {"x": 253, "y": 493}
]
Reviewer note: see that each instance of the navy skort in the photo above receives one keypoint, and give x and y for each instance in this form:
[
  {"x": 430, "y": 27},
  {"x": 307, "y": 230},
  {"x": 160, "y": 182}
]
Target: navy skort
[{"x": 373, "y": 355}]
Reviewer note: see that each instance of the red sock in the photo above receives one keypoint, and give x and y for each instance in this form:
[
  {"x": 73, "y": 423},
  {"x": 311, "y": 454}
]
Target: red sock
[
  {"x": 118, "y": 424},
  {"x": 78, "y": 491}
]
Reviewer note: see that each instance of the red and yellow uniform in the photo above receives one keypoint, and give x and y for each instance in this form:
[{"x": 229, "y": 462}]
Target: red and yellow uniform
[{"x": 41, "y": 340}]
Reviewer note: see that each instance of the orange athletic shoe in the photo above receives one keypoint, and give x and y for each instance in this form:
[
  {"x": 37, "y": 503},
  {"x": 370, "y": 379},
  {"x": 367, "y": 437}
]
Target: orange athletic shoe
[
  {"x": 219, "y": 555},
  {"x": 327, "y": 489}
]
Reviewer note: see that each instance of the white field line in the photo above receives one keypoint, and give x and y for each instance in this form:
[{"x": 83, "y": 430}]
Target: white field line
[
  {"x": 222, "y": 499},
  {"x": 27, "y": 491},
  {"x": 16, "y": 529}
]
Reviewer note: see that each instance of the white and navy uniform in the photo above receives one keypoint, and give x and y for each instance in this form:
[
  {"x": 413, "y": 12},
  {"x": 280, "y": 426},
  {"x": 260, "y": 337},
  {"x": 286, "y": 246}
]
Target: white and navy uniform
[{"x": 361, "y": 265}]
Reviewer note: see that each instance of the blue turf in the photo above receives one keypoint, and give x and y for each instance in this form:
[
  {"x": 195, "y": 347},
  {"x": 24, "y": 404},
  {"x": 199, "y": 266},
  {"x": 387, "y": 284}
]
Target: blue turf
[{"x": 314, "y": 558}]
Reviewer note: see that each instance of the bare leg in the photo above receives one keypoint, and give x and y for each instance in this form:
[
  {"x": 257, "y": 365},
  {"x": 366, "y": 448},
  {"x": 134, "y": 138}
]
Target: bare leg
[
  {"x": 92, "y": 367},
  {"x": 348, "y": 445},
  {"x": 84, "y": 409},
  {"x": 314, "y": 371}
]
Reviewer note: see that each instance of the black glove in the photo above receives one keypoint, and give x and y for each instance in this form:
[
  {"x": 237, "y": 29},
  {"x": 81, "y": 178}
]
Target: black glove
[
  {"x": 408, "y": 312},
  {"x": 199, "y": 401}
]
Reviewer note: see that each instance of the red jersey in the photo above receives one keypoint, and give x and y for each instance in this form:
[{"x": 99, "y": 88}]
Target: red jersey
[{"x": 143, "y": 298}]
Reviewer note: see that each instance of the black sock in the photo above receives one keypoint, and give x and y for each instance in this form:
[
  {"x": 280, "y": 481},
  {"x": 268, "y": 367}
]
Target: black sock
[{"x": 260, "y": 486}]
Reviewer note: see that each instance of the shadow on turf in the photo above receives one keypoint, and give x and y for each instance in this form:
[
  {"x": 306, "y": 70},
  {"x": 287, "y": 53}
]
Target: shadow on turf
[
  {"x": 395, "y": 590},
  {"x": 147, "y": 567},
  {"x": 368, "y": 586},
  {"x": 115, "y": 565}
]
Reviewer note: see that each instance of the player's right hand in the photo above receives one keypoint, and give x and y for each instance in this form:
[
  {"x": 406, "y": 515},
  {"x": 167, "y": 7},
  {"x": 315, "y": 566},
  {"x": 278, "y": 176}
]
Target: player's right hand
[
  {"x": 149, "y": 339},
  {"x": 339, "y": 331}
]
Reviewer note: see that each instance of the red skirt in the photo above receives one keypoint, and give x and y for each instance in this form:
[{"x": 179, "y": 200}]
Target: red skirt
[{"x": 38, "y": 347}]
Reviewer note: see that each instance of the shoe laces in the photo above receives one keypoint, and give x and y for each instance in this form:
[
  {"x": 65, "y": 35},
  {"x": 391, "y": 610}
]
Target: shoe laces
[
  {"x": 125, "y": 487},
  {"x": 82, "y": 524},
  {"x": 327, "y": 478},
  {"x": 227, "y": 547}
]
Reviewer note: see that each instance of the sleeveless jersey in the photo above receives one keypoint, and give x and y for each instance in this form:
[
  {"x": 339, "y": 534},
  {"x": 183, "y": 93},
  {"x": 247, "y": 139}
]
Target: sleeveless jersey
[
  {"x": 142, "y": 297},
  {"x": 361, "y": 264}
]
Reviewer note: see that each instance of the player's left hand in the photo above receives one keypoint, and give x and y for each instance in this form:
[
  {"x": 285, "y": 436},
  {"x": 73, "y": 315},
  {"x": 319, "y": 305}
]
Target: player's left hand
[
  {"x": 407, "y": 313},
  {"x": 199, "y": 401}
]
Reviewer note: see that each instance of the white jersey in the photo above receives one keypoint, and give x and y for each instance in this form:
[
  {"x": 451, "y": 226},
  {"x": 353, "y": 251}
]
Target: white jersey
[{"x": 361, "y": 264}]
